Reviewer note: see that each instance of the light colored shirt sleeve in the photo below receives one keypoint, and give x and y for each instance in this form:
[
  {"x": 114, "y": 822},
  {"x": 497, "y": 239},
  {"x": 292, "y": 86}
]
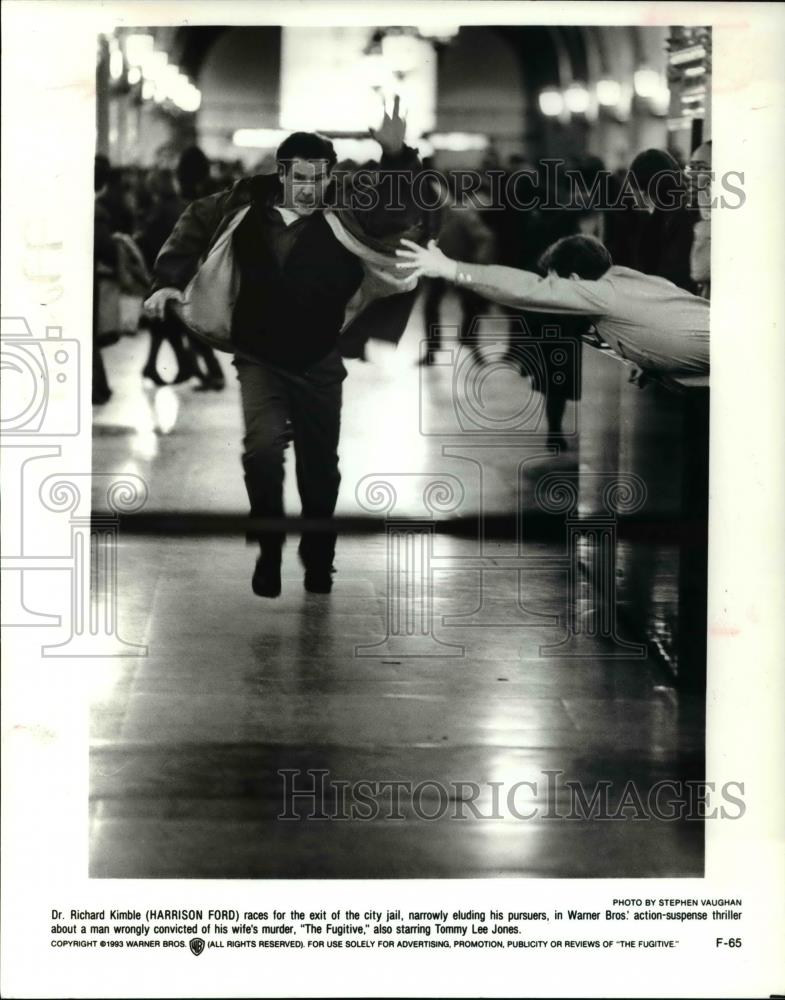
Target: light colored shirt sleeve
[{"x": 526, "y": 290}]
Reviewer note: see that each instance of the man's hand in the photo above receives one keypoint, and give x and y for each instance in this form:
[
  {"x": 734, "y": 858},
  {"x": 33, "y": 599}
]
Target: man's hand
[
  {"x": 155, "y": 306},
  {"x": 426, "y": 262},
  {"x": 390, "y": 133}
]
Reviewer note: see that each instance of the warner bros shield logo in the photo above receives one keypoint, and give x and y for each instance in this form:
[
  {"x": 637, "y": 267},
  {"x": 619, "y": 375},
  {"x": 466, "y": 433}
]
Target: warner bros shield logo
[{"x": 196, "y": 945}]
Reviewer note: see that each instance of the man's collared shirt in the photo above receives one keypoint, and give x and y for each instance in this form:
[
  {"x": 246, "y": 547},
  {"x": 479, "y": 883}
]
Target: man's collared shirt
[{"x": 282, "y": 228}]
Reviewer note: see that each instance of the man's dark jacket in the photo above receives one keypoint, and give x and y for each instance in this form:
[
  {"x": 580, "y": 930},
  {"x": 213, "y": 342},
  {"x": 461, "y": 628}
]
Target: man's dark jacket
[{"x": 291, "y": 315}]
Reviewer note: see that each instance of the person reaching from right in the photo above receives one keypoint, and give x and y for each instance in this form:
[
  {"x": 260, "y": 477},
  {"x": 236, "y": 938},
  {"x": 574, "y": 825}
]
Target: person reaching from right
[{"x": 647, "y": 320}]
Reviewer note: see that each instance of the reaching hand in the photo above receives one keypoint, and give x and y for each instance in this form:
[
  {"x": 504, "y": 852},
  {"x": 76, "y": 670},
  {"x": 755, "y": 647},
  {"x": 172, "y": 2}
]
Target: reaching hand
[
  {"x": 391, "y": 132},
  {"x": 155, "y": 306},
  {"x": 426, "y": 262}
]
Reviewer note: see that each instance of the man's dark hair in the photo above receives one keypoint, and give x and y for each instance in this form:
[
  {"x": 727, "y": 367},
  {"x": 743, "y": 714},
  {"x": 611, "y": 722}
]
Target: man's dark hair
[
  {"x": 585, "y": 256},
  {"x": 306, "y": 146}
]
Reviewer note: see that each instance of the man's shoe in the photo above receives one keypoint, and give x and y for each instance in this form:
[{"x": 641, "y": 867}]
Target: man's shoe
[
  {"x": 319, "y": 580},
  {"x": 266, "y": 580}
]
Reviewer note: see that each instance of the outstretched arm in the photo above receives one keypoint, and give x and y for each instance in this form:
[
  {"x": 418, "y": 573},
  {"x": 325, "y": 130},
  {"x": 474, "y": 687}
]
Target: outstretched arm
[{"x": 509, "y": 286}]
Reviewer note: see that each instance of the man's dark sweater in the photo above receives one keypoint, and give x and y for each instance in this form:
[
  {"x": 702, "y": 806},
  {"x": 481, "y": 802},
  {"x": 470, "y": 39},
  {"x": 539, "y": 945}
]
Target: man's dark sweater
[{"x": 295, "y": 282}]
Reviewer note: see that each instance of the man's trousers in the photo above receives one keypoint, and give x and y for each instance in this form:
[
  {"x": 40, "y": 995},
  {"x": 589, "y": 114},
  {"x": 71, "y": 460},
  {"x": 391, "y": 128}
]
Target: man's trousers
[{"x": 279, "y": 408}]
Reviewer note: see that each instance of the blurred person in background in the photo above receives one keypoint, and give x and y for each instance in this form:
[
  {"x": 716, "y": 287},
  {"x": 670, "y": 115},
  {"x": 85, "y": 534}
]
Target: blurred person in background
[
  {"x": 553, "y": 358},
  {"x": 461, "y": 233},
  {"x": 120, "y": 275},
  {"x": 155, "y": 227},
  {"x": 699, "y": 178},
  {"x": 104, "y": 265},
  {"x": 114, "y": 199},
  {"x": 195, "y": 181},
  {"x": 162, "y": 211},
  {"x": 194, "y": 175},
  {"x": 591, "y": 217},
  {"x": 655, "y": 235}
]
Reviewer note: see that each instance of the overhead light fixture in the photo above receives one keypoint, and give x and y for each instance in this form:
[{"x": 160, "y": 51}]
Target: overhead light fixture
[
  {"x": 186, "y": 96},
  {"x": 138, "y": 48},
  {"x": 577, "y": 99},
  {"x": 687, "y": 55},
  {"x": 661, "y": 101},
  {"x": 155, "y": 67},
  {"x": 622, "y": 110},
  {"x": 171, "y": 84},
  {"x": 652, "y": 86},
  {"x": 134, "y": 75},
  {"x": 551, "y": 102},
  {"x": 116, "y": 61},
  {"x": 608, "y": 92},
  {"x": 458, "y": 142},
  {"x": 647, "y": 82},
  {"x": 170, "y": 78}
]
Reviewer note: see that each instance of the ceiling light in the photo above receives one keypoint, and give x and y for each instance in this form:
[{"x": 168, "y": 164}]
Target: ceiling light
[
  {"x": 608, "y": 92},
  {"x": 551, "y": 102},
  {"x": 576, "y": 97}
]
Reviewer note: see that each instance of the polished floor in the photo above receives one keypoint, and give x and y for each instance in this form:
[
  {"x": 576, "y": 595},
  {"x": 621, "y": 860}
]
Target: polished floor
[{"x": 471, "y": 697}]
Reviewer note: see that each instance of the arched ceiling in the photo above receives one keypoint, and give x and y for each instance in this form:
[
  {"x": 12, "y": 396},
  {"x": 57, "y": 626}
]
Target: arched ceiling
[
  {"x": 553, "y": 56},
  {"x": 191, "y": 45},
  {"x": 545, "y": 53}
]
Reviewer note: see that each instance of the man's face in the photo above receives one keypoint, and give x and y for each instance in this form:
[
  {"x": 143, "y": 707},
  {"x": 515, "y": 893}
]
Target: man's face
[{"x": 304, "y": 183}]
